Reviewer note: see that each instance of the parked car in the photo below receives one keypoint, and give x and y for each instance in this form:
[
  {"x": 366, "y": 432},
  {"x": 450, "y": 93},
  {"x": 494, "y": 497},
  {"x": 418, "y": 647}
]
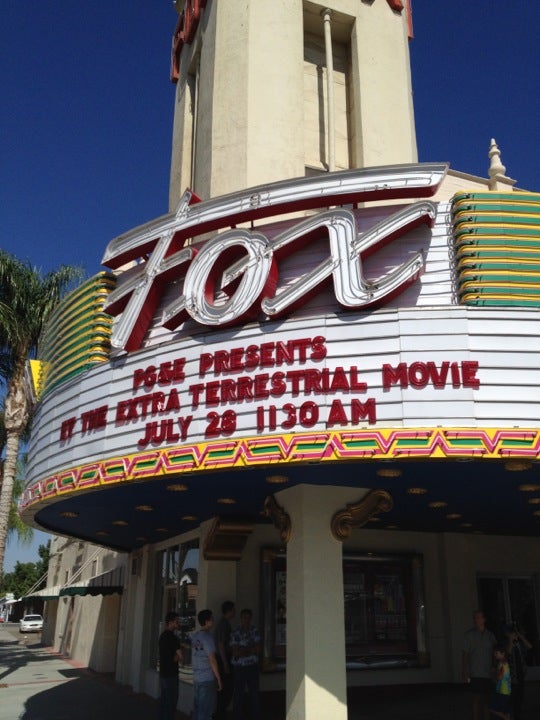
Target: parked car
[{"x": 31, "y": 623}]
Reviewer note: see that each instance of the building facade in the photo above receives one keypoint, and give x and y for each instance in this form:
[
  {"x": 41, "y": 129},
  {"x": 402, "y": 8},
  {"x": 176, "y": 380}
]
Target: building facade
[{"x": 312, "y": 387}]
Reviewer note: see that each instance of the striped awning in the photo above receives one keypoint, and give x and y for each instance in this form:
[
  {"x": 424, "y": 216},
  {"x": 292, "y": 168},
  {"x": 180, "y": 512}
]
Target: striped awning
[
  {"x": 106, "y": 583},
  {"x": 48, "y": 593}
]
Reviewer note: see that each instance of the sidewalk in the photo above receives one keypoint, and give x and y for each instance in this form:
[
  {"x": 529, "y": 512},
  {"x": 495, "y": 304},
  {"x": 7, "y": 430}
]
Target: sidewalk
[{"x": 37, "y": 684}]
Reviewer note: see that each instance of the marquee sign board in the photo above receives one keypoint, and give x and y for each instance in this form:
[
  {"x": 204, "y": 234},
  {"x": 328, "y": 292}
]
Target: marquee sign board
[
  {"x": 216, "y": 368},
  {"x": 243, "y": 265},
  {"x": 253, "y": 378}
]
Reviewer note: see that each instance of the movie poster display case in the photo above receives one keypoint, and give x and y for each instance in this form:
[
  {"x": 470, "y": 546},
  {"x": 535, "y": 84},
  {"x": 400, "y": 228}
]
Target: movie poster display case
[{"x": 385, "y": 618}]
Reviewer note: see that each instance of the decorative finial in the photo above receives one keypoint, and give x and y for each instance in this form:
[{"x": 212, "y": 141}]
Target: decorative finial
[
  {"x": 495, "y": 166},
  {"x": 498, "y": 179}
]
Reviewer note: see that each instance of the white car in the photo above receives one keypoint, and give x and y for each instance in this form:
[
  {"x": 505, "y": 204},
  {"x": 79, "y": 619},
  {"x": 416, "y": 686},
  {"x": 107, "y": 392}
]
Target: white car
[{"x": 31, "y": 623}]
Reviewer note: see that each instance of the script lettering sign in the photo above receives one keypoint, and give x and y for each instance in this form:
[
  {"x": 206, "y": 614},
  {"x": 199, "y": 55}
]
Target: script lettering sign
[{"x": 242, "y": 266}]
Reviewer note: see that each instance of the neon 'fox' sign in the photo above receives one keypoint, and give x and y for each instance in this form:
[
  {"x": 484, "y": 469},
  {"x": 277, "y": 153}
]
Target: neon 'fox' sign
[{"x": 245, "y": 263}]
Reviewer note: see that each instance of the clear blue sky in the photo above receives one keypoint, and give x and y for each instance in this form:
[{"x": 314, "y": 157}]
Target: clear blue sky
[{"x": 87, "y": 108}]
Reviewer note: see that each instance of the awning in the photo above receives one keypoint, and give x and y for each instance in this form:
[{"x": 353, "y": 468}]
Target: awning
[
  {"x": 107, "y": 583},
  {"x": 48, "y": 593}
]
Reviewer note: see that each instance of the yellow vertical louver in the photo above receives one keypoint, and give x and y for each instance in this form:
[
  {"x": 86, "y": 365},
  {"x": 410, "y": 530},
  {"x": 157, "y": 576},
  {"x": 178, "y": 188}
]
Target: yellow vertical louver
[{"x": 77, "y": 335}]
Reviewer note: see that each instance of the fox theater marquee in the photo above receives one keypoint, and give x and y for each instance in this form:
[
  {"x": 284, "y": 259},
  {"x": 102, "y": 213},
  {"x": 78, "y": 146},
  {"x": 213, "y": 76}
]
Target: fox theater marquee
[
  {"x": 177, "y": 375},
  {"x": 317, "y": 395},
  {"x": 248, "y": 384}
]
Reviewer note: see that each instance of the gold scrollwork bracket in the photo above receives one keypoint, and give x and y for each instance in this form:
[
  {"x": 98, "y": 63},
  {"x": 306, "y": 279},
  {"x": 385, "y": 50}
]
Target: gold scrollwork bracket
[
  {"x": 279, "y": 517},
  {"x": 356, "y": 515}
]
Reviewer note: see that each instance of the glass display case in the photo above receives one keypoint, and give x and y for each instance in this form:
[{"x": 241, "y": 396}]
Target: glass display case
[{"x": 383, "y": 603}]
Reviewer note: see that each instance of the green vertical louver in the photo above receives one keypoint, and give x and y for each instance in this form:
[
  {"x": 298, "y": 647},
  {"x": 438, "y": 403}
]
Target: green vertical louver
[{"x": 497, "y": 248}]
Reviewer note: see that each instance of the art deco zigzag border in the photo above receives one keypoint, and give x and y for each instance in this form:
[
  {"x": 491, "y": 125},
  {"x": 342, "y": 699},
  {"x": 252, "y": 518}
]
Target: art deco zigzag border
[{"x": 331, "y": 447}]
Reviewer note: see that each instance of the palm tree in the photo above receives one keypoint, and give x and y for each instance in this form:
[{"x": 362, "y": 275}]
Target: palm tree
[
  {"x": 27, "y": 299},
  {"x": 15, "y": 524}
]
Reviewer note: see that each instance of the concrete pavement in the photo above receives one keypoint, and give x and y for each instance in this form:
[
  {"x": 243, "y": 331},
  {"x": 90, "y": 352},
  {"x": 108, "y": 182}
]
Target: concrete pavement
[{"x": 37, "y": 684}]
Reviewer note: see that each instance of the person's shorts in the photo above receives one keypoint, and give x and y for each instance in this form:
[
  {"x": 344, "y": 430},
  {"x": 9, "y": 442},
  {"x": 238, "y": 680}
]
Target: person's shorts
[
  {"x": 500, "y": 703},
  {"x": 481, "y": 686}
]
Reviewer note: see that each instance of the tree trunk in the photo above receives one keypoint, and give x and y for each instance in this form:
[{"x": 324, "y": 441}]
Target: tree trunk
[
  {"x": 15, "y": 418},
  {"x": 6, "y": 493}
]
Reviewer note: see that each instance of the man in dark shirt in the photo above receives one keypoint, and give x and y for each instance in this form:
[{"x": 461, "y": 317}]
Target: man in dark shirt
[{"x": 169, "y": 657}]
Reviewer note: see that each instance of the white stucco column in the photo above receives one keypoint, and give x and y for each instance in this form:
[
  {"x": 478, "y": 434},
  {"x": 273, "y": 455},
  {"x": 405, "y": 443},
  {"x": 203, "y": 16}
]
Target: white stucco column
[{"x": 316, "y": 672}]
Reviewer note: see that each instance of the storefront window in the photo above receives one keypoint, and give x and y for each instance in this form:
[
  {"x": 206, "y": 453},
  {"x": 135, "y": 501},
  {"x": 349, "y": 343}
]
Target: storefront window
[
  {"x": 187, "y": 594},
  {"x": 176, "y": 590},
  {"x": 384, "y": 610},
  {"x": 173, "y": 559}
]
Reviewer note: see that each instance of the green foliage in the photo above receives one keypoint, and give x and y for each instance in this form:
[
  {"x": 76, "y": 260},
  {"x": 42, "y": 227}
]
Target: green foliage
[
  {"x": 26, "y": 575},
  {"x": 16, "y": 526},
  {"x": 44, "y": 552},
  {"x": 27, "y": 298},
  {"x": 22, "y": 578}
]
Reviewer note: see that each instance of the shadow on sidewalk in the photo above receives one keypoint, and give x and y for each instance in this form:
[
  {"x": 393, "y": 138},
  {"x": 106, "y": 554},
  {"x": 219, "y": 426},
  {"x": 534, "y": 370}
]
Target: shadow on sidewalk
[
  {"x": 86, "y": 695},
  {"x": 17, "y": 654},
  {"x": 88, "y": 698}
]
